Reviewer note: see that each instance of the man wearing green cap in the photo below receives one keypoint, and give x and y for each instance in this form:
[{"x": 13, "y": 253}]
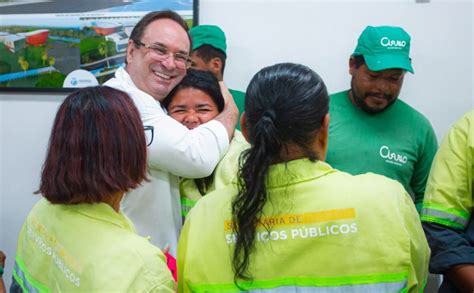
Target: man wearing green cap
[
  {"x": 209, "y": 52},
  {"x": 372, "y": 130}
]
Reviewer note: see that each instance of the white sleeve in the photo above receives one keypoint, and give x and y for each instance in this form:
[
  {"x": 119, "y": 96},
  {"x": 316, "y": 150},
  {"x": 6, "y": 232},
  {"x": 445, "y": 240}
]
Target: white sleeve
[
  {"x": 183, "y": 152},
  {"x": 176, "y": 149}
]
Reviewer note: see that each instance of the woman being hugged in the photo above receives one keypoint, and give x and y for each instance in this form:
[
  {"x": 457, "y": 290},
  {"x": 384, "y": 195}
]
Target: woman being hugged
[
  {"x": 292, "y": 223},
  {"x": 76, "y": 239},
  {"x": 197, "y": 99}
]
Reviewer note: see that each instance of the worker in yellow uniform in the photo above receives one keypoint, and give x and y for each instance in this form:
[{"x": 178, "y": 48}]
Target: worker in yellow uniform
[
  {"x": 291, "y": 223},
  {"x": 76, "y": 239},
  {"x": 448, "y": 207}
]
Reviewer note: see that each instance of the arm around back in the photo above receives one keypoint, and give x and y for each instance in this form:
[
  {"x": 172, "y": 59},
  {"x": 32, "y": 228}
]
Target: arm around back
[
  {"x": 229, "y": 116},
  {"x": 186, "y": 153},
  {"x": 193, "y": 153},
  {"x": 175, "y": 149}
]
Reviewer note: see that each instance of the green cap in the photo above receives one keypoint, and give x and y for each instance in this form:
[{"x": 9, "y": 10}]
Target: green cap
[
  {"x": 211, "y": 35},
  {"x": 384, "y": 47}
]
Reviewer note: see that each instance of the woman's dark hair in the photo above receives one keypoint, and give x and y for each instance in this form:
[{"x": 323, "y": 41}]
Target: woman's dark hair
[
  {"x": 208, "y": 83},
  {"x": 97, "y": 148},
  {"x": 207, "y": 52},
  {"x": 201, "y": 80},
  {"x": 284, "y": 104}
]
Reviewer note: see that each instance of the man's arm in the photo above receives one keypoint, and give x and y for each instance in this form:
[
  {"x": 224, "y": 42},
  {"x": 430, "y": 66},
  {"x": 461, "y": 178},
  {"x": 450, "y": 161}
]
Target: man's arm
[
  {"x": 451, "y": 253},
  {"x": 191, "y": 153},
  {"x": 183, "y": 152},
  {"x": 229, "y": 116},
  {"x": 176, "y": 149}
]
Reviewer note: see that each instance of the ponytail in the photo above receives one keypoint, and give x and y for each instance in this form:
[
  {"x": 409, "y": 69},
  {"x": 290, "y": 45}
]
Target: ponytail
[{"x": 252, "y": 192}]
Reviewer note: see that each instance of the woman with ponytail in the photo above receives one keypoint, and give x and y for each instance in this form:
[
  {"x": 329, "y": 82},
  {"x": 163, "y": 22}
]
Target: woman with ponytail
[{"x": 291, "y": 223}]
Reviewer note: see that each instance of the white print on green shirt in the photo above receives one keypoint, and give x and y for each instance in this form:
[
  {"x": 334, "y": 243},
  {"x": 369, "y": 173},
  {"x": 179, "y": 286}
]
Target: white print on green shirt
[{"x": 392, "y": 157}]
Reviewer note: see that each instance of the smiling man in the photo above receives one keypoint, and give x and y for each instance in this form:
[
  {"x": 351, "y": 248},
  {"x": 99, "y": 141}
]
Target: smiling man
[
  {"x": 371, "y": 130},
  {"x": 157, "y": 60}
]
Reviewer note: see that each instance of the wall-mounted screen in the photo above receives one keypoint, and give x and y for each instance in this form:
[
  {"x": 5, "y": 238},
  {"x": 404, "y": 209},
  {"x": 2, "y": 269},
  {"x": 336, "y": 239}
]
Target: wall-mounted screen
[{"x": 64, "y": 44}]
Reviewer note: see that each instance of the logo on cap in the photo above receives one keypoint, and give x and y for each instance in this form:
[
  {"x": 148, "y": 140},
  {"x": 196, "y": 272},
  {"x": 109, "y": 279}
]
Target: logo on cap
[{"x": 386, "y": 42}]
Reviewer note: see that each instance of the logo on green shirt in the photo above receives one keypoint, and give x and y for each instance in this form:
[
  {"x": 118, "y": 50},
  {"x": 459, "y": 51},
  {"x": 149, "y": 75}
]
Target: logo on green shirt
[{"x": 392, "y": 157}]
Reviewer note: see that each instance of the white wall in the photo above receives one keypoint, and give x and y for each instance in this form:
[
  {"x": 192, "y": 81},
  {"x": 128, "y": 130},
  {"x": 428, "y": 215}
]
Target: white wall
[
  {"x": 25, "y": 124},
  {"x": 322, "y": 35},
  {"x": 319, "y": 34}
]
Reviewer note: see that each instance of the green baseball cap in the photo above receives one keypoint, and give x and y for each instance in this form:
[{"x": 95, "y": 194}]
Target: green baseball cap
[
  {"x": 384, "y": 47},
  {"x": 211, "y": 35}
]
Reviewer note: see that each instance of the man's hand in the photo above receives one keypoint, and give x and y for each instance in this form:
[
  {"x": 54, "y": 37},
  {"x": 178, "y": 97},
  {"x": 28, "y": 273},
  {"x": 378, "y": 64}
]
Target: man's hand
[
  {"x": 225, "y": 92},
  {"x": 229, "y": 116}
]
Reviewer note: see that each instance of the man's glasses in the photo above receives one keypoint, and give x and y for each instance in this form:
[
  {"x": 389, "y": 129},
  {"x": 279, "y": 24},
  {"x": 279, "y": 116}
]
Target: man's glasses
[
  {"x": 181, "y": 60},
  {"x": 149, "y": 134}
]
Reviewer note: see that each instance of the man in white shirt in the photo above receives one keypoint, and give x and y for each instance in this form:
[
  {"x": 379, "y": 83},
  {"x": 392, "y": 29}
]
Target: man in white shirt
[{"x": 157, "y": 58}]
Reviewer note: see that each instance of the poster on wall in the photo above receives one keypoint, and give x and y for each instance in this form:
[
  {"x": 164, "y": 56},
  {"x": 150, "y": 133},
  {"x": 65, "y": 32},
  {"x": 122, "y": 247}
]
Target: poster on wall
[{"x": 60, "y": 45}]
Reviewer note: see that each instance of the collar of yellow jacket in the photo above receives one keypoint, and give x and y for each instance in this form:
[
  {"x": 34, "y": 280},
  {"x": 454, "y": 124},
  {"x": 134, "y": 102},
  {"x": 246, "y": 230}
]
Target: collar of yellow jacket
[
  {"x": 101, "y": 212},
  {"x": 294, "y": 171}
]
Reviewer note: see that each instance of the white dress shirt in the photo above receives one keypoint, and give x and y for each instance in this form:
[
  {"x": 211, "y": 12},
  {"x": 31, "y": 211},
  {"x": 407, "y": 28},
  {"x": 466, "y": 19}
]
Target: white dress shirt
[{"x": 154, "y": 207}]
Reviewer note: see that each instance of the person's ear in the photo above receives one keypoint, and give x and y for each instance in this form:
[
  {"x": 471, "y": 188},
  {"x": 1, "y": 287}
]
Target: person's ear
[
  {"x": 215, "y": 65},
  {"x": 323, "y": 138},
  {"x": 130, "y": 50},
  {"x": 352, "y": 66},
  {"x": 243, "y": 127}
]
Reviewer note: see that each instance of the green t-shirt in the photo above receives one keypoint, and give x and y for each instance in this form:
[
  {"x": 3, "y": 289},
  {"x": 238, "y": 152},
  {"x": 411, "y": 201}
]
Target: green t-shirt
[
  {"x": 398, "y": 143},
  {"x": 239, "y": 98}
]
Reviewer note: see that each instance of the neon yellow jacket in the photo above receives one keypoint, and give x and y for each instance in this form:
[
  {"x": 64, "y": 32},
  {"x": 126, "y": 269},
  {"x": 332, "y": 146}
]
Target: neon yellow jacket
[
  {"x": 329, "y": 230},
  {"x": 225, "y": 172},
  {"x": 86, "y": 248},
  {"x": 449, "y": 195}
]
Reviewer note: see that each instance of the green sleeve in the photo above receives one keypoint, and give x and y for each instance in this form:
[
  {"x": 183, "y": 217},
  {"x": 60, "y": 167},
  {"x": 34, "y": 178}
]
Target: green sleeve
[{"x": 426, "y": 153}]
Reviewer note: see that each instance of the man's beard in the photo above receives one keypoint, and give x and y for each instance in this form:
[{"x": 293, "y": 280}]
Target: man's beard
[{"x": 361, "y": 104}]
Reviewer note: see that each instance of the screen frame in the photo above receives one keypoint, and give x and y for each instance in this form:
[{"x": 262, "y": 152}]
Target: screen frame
[{"x": 195, "y": 21}]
